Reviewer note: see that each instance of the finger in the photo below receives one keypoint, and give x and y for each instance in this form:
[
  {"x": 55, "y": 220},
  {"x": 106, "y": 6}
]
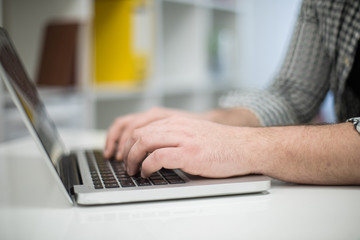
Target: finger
[
  {"x": 170, "y": 158},
  {"x": 110, "y": 146},
  {"x": 127, "y": 132},
  {"x": 114, "y": 134},
  {"x": 138, "y": 129},
  {"x": 141, "y": 121},
  {"x": 140, "y": 150},
  {"x": 140, "y": 145}
]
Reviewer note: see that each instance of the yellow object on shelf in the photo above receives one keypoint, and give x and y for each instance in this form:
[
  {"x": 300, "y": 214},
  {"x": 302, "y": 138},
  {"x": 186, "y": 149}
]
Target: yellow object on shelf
[{"x": 120, "y": 36}]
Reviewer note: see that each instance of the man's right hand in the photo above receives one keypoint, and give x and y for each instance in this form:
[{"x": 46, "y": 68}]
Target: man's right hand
[{"x": 122, "y": 128}]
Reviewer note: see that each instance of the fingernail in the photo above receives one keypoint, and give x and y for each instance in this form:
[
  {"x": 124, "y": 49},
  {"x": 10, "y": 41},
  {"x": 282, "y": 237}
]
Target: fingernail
[
  {"x": 118, "y": 155},
  {"x": 106, "y": 153}
]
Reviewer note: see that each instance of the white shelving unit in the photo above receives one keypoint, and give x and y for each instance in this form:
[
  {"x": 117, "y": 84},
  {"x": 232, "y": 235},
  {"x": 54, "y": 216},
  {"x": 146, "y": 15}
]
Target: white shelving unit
[
  {"x": 198, "y": 53},
  {"x": 182, "y": 75}
]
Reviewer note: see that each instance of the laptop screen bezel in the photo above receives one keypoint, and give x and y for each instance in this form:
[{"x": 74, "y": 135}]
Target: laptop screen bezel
[{"x": 57, "y": 149}]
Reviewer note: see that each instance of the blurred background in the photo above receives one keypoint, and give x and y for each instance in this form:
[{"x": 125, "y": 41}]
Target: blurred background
[{"x": 94, "y": 60}]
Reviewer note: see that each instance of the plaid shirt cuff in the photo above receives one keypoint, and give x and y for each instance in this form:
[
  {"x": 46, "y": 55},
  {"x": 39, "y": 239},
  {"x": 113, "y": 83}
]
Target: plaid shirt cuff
[{"x": 270, "y": 110}]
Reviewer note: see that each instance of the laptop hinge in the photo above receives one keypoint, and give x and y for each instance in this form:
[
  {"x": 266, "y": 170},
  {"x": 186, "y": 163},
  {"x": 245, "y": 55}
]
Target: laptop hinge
[{"x": 69, "y": 172}]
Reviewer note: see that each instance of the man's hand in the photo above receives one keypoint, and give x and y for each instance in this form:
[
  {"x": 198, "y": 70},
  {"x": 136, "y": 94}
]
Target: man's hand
[
  {"x": 123, "y": 127},
  {"x": 197, "y": 147}
]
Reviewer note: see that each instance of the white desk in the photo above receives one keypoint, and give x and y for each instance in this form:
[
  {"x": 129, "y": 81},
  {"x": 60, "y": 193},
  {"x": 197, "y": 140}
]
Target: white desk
[{"x": 32, "y": 207}]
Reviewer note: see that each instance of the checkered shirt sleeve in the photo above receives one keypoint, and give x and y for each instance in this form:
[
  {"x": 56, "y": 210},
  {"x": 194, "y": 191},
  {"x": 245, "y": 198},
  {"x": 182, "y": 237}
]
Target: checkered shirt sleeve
[{"x": 305, "y": 76}]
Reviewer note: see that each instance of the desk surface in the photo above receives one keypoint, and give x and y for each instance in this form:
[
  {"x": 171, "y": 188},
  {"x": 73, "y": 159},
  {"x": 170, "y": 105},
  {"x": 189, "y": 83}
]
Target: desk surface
[{"x": 32, "y": 207}]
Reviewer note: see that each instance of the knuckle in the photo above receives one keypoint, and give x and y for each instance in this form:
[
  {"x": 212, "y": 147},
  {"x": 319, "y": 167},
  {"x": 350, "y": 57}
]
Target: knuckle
[
  {"x": 136, "y": 133},
  {"x": 156, "y": 156},
  {"x": 131, "y": 126},
  {"x": 143, "y": 141},
  {"x": 139, "y": 138}
]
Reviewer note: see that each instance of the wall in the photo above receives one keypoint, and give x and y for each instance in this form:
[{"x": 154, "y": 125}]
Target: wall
[{"x": 265, "y": 27}]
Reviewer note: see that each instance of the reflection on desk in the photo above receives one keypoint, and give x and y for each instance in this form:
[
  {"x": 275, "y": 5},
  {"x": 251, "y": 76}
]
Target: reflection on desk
[{"x": 32, "y": 207}]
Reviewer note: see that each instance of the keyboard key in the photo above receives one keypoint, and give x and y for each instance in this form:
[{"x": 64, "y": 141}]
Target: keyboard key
[
  {"x": 176, "y": 181},
  {"x": 96, "y": 181},
  {"x": 110, "y": 182},
  {"x": 156, "y": 175},
  {"x": 127, "y": 183},
  {"x": 171, "y": 176},
  {"x": 142, "y": 181},
  {"x": 159, "y": 181},
  {"x": 122, "y": 176},
  {"x": 112, "y": 185}
]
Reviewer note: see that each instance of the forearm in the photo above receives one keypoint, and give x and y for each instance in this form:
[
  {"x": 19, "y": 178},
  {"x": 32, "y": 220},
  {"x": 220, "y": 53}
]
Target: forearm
[{"x": 328, "y": 154}]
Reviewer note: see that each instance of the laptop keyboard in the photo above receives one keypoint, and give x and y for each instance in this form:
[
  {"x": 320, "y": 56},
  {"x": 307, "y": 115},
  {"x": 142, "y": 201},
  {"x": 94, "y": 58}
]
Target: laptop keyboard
[{"x": 112, "y": 174}]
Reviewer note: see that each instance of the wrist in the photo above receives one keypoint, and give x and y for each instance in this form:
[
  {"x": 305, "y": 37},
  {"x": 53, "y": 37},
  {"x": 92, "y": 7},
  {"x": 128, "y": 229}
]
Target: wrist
[
  {"x": 250, "y": 150},
  {"x": 259, "y": 150}
]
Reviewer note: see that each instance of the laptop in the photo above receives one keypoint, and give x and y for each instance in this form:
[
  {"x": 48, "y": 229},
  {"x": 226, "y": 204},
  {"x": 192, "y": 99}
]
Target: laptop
[{"x": 84, "y": 176}]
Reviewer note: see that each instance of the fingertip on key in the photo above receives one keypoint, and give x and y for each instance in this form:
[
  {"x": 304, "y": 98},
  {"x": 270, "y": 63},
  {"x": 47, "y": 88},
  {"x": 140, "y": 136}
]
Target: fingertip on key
[
  {"x": 118, "y": 156},
  {"x": 106, "y": 153}
]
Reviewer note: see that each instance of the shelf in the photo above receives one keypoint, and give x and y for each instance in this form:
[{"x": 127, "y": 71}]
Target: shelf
[
  {"x": 224, "y": 5},
  {"x": 200, "y": 44},
  {"x": 184, "y": 44}
]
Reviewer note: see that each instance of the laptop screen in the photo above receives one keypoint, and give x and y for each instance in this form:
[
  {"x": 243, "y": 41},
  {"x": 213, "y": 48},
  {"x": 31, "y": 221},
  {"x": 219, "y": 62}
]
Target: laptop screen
[{"x": 26, "y": 97}]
